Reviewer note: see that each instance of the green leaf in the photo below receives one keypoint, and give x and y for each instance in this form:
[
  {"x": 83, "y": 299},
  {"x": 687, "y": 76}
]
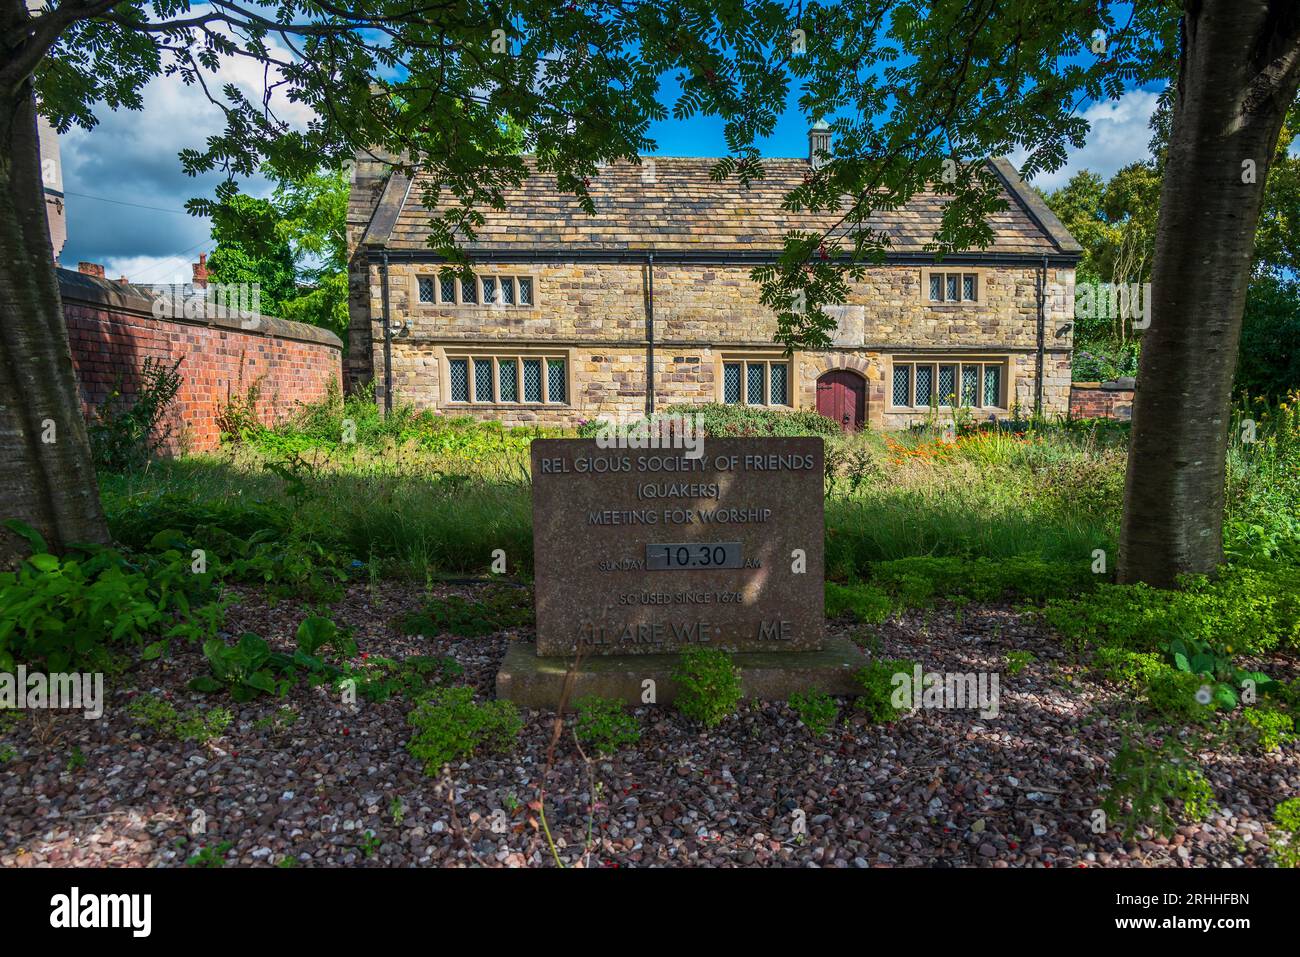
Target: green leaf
[
  {"x": 262, "y": 681},
  {"x": 1225, "y": 696},
  {"x": 154, "y": 650},
  {"x": 33, "y": 537},
  {"x": 168, "y": 538},
  {"x": 206, "y": 684},
  {"x": 44, "y": 563}
]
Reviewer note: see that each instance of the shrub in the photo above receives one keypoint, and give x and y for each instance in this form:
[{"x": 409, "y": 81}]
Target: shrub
[
  {"x": 1179, "y": 695},
  {"x": 317, "y": 633},
  {"x": 708, "y": 685},
  {"x": 918, "y": 581},
  {"x": 1286, "y": 845},
  {"x": 817, "y": 710},
  {"x": 135, "y": 520},
  {"x": 1266, "y": 728},
  {"x": 449, "y": 726},
  {"x": 720, "y": 421},
  {"x": 67, "y": 613},
  {"x": 1133, "y": 669},
  {"x": 501, "y": 608},
  {"x": 1146, "y": 781},
  {"x": 250, "y": 668},
  {"x": 287, "y": 566},
  {"x": 195, "y": 725},
  {"x": 245, "y": 669},
  {"x": 1017, "y": 661},
  {"x": 605, "y": 725},
  {"x": 379, "y": 678},
  {"x": 866, "y": 603},
  {"x": 125, "y": 434},
  {"x": 1249, "y": 610},
  {"x": 877, "y": 681}
]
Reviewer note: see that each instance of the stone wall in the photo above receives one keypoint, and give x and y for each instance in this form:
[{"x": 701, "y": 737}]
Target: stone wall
[
  {"x": 112, "y": 329},
  {"x": 594, "y": 316},
  {"x": 1102, "y": 400}
]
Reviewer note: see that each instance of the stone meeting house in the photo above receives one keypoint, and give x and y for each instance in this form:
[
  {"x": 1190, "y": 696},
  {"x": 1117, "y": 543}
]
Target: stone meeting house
[{"x": 649, "y": 303}]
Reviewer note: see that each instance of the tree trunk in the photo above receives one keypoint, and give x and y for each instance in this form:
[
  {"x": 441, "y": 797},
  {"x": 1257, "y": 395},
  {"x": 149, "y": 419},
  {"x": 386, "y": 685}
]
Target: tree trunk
[
  {"x": 1237, "y": 77},
  {"x": 47, "y": 478}
]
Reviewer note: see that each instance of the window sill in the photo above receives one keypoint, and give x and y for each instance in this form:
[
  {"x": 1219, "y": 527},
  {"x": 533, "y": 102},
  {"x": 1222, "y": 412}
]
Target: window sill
[
  {"x": 948, "y": 409},
  {"x": 471, "y": 307},
  {"x": 467, "y": 406}
]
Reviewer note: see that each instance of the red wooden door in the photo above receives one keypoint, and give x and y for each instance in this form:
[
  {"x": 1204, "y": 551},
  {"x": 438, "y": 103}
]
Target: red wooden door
[{"x": 842, "y": 396}]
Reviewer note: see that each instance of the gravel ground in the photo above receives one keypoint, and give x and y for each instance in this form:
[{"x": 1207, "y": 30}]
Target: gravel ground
[{"x": 936, "y": 788}]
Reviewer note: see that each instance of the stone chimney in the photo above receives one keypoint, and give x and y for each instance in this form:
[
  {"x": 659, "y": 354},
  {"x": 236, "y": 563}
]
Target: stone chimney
[
  {"x": 819, "y": 141},
  {"x": 200, "y": 270},
  {"x": 91, "y": 269}
]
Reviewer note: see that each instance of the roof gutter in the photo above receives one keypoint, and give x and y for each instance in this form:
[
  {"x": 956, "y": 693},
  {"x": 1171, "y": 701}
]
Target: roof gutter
[{"x": 718, "y": 257}]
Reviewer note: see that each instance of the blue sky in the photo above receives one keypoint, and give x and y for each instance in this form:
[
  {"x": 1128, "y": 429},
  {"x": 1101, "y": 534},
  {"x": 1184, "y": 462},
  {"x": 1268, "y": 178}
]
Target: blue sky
[{"x": 126, "y": 192}]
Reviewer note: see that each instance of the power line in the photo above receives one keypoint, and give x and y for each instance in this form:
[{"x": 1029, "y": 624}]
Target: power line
[
  {"x": 183, "y": 256},
  {"x": 118, "y": 202}
]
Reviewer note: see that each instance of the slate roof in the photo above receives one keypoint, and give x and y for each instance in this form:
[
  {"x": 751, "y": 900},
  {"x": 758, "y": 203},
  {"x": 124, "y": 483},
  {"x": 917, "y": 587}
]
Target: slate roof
[{"x": 681, "y": 209}]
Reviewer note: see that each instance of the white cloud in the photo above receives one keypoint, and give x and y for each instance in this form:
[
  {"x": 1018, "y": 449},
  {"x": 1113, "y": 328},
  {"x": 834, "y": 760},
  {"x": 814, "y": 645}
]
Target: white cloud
[
  {"x": 1119, "y": 135},
  {"x": 131, "y": 158},
  {"x": 151, "y": 270}
]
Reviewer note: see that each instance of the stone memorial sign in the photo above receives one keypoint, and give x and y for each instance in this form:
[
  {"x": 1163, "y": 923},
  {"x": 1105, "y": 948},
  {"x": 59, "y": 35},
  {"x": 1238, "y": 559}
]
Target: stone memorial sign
[{"x": 642, "y": 551}]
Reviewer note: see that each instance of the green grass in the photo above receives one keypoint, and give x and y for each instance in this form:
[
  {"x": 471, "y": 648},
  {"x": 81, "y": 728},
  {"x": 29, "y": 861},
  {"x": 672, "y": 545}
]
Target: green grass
[
  {"x": 415, "y": 524},
  {"x": 427, "y": 495}
]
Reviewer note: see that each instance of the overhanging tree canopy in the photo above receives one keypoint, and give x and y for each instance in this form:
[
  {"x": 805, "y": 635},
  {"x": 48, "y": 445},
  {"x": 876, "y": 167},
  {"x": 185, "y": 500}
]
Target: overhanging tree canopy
[{"x": 916, "y": 92}]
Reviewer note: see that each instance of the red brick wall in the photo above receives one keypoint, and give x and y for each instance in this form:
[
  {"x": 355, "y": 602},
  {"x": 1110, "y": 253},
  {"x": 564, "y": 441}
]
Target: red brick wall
[
  {"x": 111, "y": 329},
  {"x": 1101, "y": 400}
]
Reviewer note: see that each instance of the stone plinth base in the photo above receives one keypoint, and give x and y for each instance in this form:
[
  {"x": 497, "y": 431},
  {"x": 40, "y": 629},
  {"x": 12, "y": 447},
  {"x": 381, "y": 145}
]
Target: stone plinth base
[{"x": 535, "y": 682}]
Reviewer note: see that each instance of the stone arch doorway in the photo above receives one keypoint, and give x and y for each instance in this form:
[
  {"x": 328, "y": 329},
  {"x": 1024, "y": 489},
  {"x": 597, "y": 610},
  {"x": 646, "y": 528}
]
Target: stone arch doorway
[{"x": 842, "y": 396}]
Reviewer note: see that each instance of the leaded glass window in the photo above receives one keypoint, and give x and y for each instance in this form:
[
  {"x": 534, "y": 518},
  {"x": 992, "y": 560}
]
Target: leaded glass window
[
  {"x": 469, "y": 291},
  {"x": 555, "y": 382},
  {"x": 992, "y": 385},
  {"x": 970, "y": 377},
  {"x": 459, "y": 369},
  {"x": 731, "y": 383},
  {"x": 508, "y": 380},
  {"x": 754, "y": 383},
  {"x": 482, "y": 380},
  {"x": 947, "y": 385},
  {"x": 902, "y": 385},
  {"x": 777, "y": 390},
  {"x": 427, "y": 289},
  {"x": 532, "y": 380},
  {"x": 924, "y": 384}
]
